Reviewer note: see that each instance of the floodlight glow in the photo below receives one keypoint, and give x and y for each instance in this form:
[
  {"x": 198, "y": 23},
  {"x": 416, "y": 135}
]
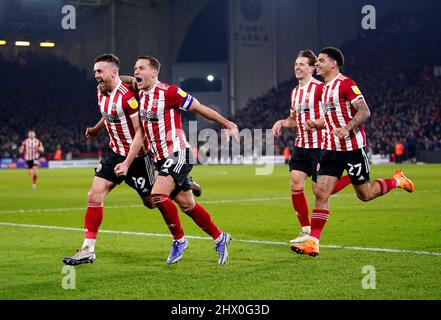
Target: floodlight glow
[
  {"x": 210, "y": 77},
  {"x": 47, "y": 44},
  {"x": 2, "y": 42},
  {"x": 22, "y": 43}
]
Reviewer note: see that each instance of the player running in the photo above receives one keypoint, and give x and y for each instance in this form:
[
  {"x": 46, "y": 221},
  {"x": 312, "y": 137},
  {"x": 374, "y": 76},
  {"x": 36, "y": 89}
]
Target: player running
[
  {"x": 160, "y": 113},
  {"x": 31, "y": 149},
  {"x": 345, "y": 111},
  {"x": 119, "y": 106},
  {"x": 305, "y": 100}
]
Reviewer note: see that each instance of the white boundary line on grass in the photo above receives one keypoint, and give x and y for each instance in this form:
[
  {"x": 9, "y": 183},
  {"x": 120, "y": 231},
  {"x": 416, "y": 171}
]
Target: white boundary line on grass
[
  {"x": 202, "y": 202},
  {"x": 207, "y": 238},
  {"x": 139, "y": 205}
]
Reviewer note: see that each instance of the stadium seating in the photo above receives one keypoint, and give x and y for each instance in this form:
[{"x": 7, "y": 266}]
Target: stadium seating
[{"x": 397, "y": 80}]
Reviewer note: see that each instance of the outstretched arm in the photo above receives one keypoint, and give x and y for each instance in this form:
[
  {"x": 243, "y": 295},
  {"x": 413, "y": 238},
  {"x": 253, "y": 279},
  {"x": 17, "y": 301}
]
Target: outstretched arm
[{"x": 210, "y": 114}]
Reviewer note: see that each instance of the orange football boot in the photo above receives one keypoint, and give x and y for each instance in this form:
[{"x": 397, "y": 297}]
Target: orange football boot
[
  {"x": 405, "y": 183},
  {"x": 309, "y": 247}
]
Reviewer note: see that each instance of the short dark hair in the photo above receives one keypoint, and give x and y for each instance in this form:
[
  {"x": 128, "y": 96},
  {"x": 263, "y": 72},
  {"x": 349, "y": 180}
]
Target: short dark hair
[
  {"x": 335, "y": 54},
  {"x": 108, "y": 57},
  {"x": 153, "y": 62},
  {"x": 312, "y": 59}
]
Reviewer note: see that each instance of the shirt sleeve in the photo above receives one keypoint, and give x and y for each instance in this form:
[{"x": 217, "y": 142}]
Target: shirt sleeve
[
  {"x": 351, "y": 91},
  {"x": 179, "y": 98},
  {"x": 130, "y": 103}
]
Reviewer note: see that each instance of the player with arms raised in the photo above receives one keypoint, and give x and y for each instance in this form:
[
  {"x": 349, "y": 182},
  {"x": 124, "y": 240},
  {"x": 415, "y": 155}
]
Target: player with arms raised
[{"x": 345, "y": 111}]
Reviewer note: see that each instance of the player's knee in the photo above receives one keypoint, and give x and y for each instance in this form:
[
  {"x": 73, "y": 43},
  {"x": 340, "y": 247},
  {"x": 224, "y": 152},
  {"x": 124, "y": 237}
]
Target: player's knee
[
  {"x": 149, "y": 203},
  {"x": 321, "y": 195},
  {"x": 94, "y": 196},
  {"x": 296, "y": 185},
  {"x": 186, "y": 203},
  {"x": 363, "y": 196}
]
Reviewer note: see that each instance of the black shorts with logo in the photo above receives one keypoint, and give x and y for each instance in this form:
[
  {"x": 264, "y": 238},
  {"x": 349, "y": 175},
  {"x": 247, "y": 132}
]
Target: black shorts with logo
[
  {"x": 32, "y": 163},
  {"x": 305, "y": 160},
  {"x": 140, "y": 176},
  {"x": 178, "y": 167},
  {"x": 356, "y": 163}
]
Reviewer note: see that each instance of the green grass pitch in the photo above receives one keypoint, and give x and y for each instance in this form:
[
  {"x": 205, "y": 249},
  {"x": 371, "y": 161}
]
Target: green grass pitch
[{"x": 249, "y": 207}]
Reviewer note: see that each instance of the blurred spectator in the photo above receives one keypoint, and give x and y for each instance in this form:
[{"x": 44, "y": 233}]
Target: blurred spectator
[
  {"x": 58, "y": 155},
  {"x": 399, "y": 152}
]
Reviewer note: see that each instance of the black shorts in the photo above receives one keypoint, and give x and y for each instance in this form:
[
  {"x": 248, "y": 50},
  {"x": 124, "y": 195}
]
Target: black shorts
[
  {"x": 178, "y": 167},
  {"x": 356, "y": 163},
  {"x": 305, "y": 160},
  {"x": 31, "y": 163},
  {"x": 140, "y": 176}
]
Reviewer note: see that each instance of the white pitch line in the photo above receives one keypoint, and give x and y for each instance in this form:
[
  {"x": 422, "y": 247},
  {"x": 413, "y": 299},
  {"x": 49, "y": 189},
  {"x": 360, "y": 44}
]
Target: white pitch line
[
  {"x": 139, "y": 206},
  {"x": 145, "y": 234},
  {"x": 202, "y": 202}
]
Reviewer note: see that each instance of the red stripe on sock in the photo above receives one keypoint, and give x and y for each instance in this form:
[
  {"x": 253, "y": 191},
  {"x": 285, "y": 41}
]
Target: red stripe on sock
[
  {"x": 386, "y": 185},
  {"x": 93, "y": 219},
  {"x": 318, "y": 221},
  {"x": 203, "y": 219},
  {"x": 169, "y": 214},
  {"x": 300, "y": 205},
  {"x": 34, "y": 179}
]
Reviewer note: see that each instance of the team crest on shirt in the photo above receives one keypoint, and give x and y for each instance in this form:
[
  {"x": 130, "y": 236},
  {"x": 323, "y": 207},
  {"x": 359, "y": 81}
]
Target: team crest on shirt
[
  {"x": 356, "y": 90},
  {"x": 113, "y": 107},
  {"x": 133, "y": 103},
  {"x": 155, "y": 102}
]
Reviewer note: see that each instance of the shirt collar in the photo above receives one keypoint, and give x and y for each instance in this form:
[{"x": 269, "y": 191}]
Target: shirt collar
[{"x": 332, "y": 81}]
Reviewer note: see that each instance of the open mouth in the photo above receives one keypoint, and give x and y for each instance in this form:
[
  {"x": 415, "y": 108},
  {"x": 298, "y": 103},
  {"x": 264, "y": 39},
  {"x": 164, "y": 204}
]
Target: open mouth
[
  {"x": 100, "y": 81},
  {"x": 139, "y": 80}
]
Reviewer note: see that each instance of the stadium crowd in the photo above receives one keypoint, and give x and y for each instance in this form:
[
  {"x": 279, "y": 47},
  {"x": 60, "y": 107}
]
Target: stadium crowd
[
  {"x": 398, "y": 82},
  {"x": 57, "y": 102}
]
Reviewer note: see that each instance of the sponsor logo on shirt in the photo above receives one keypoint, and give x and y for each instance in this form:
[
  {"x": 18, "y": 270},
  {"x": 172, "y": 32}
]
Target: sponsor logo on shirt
[
  {"x": 182, "y": 93},
  {"x": 328, "y": 107},
  {"x": 133, "y": 103},
  {"x": 356, "y": 90},
  {"x": 148, "y": 116}
]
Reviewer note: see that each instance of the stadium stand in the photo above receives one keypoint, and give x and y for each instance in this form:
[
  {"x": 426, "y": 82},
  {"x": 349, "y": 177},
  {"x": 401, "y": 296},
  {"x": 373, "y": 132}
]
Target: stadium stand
[
  {"x": 57, "y": 102},
  {"x": 403, "y": 94}
]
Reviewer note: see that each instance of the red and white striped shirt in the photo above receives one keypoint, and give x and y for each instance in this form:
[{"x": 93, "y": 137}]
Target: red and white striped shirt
[
  {"x": 160, "y": 113},
  {"x": 117, "y": 109},
  {"x": 338, "y": 96},
  {"x": 305, "y": 105},
  {"x": 30, "y": 149}
]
